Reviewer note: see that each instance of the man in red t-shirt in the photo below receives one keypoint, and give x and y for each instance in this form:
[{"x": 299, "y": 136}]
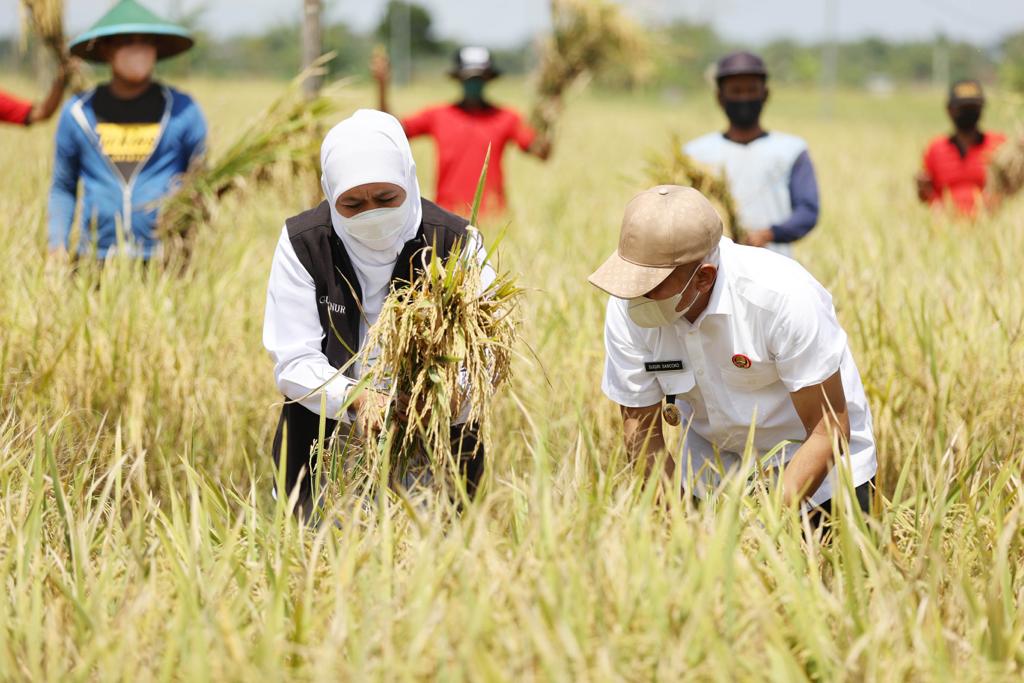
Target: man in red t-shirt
[
  {"x": 462, "y": 132},
  {"x": 955, "y": 167},
  {"x": 21, "y": 112}
]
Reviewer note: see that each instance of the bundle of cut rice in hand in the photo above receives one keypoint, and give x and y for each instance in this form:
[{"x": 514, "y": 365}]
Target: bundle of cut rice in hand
[
  {"x": 444, "y": 346},
  {"x": 1006, "y": 169},
  {"x": 285, "y": 135},
  {"x": 679, "y": 168},
  {"x": 46, "y": 19},
  {"x": 587, "y": 36}
]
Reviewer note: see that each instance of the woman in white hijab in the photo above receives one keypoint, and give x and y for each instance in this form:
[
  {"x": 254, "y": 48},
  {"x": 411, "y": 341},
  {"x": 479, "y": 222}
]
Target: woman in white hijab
[{"x": 333, "y": 267}]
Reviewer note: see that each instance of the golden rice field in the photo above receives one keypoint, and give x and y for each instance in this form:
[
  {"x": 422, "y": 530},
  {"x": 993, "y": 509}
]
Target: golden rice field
[{"x": 139, "y": 539}]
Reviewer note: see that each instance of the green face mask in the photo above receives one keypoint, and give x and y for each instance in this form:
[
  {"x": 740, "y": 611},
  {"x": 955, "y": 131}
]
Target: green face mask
[{"x": 473, "y": 89}]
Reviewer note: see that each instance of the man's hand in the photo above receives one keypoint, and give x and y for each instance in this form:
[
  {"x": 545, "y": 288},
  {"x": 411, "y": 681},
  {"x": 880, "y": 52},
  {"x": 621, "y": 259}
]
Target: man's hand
[
  {"x": 380, "y": 69},
  {"x": 380, "y": 65},
  {"x": 758, "y": 238},
  {"x": 541, "y": 148},
  {"x": 641, "y": 428},
  {"x": 925, "y": 189}
]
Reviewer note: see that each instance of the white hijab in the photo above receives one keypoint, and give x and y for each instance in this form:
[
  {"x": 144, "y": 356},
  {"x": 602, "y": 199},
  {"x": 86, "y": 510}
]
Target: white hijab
[{"x": 370, "y": 147}]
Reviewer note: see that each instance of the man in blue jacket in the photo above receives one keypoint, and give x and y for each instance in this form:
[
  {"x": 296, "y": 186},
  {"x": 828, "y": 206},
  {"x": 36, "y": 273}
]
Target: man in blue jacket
[{"x": 126, "y": 141}]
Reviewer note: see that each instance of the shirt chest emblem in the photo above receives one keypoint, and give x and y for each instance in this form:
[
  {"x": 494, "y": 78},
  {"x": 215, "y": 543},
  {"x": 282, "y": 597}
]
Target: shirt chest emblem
[{"x": 742, "y": 361}]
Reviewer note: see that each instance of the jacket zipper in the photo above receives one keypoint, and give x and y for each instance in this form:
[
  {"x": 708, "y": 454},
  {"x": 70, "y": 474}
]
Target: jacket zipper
[{"x": 126, "y": 187}]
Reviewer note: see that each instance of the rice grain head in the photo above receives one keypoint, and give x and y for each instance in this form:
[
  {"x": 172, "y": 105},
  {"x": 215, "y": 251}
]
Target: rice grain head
[
  {"x": 586, "y": 37},
  {"x": 283, "y": 140},
  {"x": 1006, "y": 169},
  {"x": 445, "y": 343}
]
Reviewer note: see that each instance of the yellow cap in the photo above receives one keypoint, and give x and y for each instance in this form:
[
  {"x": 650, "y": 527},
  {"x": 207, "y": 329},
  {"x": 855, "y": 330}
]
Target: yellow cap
[{"x": 664, "y": 227}]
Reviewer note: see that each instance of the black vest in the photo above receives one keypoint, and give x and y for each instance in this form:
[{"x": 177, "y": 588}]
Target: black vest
[{"x": 338, "y": 295}]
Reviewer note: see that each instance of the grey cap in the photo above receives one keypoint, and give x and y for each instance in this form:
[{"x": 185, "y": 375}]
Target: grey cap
[{"x": 740, "y": 64}]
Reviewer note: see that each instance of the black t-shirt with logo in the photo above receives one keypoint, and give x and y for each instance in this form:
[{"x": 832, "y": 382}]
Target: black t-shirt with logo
[{"x": 128, "y": 129}]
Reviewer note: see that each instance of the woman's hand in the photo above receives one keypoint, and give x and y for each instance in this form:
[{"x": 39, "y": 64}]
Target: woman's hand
[{"x": 370, "y": 407}]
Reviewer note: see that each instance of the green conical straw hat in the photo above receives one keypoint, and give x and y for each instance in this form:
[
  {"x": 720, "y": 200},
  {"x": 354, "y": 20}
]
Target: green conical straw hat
[{"x": 126, "y": 18}]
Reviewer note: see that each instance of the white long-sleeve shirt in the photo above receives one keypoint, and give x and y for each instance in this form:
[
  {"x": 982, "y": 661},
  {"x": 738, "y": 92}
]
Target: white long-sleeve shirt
[{"x": 293, "y": 335}]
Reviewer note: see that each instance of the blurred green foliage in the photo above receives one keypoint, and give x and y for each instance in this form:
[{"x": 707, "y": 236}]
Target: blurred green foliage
[{"x": 682, "y": 53}]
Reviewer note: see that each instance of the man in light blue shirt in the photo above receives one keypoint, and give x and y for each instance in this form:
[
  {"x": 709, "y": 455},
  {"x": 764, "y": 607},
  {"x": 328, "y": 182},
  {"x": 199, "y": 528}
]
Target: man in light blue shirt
[{"x": 770, "y": 174}]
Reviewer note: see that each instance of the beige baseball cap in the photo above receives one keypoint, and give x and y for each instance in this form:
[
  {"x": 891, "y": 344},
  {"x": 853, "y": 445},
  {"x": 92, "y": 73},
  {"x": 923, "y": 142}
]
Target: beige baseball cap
[{"x": 664, "y": 227}]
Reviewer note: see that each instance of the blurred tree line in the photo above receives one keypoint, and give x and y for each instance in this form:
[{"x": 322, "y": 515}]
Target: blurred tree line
[{"x": 682, "y": 53}]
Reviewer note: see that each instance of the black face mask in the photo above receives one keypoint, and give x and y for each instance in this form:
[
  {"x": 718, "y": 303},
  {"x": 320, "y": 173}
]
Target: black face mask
[
  {"x": 967, "y": 119},
  {"x": 743, "y": 114}
]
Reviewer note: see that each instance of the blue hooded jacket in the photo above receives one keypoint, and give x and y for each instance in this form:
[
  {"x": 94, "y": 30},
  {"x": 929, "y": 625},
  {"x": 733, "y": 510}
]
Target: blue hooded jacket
[{"x": 109, "y": 204}]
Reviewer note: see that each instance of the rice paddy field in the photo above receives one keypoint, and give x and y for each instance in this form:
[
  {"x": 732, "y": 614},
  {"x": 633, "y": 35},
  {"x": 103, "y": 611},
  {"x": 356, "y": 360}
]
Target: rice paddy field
[{"x": 139, "y": 539}]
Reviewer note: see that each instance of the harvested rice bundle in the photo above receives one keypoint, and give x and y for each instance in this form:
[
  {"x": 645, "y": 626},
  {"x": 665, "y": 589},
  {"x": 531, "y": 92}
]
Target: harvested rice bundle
[
  {"x": 679, "y": 168},
  {"x": 46, "y": 19},
  {"x": 587, "y": 36},
  {"x": 1006, "y": 170},
  {"x": 285, "y": 133},
  {"x": 444, "y": 345}
]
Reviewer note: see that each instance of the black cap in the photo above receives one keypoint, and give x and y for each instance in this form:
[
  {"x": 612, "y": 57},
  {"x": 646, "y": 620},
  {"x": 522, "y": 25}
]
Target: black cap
[
  {"x": 473, "y": 61},
  {"x": 967, "y": 91},
  {"x": 740, "y": 64}
]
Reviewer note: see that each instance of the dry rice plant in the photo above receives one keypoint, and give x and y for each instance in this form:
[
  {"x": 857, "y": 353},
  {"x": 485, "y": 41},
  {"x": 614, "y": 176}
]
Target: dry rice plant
[
  {"x": 679, "y": 168},
  {"x": 1006, "y": 170},
  {"x": 445, "y": 344},
  {"x": 46, "y": 18},
  {"x": 285, "y": 133},
  {"x": 586, "y": 36}
]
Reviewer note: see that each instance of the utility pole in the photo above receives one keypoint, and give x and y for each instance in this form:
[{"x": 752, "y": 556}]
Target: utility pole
[
  {"x": 940, "y": 62},
  {"x": 312, "y": 45},
  {"x": 401, "y": 40},
  {"x": 830, "y": 57}
]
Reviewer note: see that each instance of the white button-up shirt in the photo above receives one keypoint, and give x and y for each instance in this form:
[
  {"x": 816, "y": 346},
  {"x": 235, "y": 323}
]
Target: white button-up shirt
[{"x": 769, "y": 330}]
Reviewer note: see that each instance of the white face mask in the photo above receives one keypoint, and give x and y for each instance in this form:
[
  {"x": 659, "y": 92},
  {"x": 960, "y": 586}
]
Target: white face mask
[
  {"x": 646, "y": 312},
  {"x": 376, "y": 228}
]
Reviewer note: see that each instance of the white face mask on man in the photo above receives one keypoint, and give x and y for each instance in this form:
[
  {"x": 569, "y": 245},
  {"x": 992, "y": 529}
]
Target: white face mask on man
[{"x": 645, "y": 312}]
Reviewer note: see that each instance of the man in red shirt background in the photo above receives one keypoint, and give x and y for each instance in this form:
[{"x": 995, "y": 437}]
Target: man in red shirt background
[
  {"x": 462, "y": 132},
  {"x": 22, "y": 112},
  {"x": 955, "y": 167}
]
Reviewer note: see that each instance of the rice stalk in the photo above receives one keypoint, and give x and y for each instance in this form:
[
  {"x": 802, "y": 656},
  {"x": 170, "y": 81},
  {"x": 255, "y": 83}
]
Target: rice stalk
[
  {"x": 444, "y": 345},
  {"x": 285, "y": 134},
  {"x": 46, "y": 19},
  {"x": 1006, "y": 169},
  {"x": 586, "y": 37},
  {"x": 678, "y": 168}
]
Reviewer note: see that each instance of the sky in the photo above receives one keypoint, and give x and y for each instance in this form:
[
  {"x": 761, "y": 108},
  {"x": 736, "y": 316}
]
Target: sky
[{"x": 499, "y": 23}]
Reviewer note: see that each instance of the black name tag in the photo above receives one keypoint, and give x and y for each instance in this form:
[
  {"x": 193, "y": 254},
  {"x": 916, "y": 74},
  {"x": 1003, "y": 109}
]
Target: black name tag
[{"x": 664, "y": 366}]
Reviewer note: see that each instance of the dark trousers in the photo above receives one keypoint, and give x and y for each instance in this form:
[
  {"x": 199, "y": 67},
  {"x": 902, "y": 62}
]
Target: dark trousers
[
  {"x": 303, "y": 431},
  {"x": 821, "y": 513}
]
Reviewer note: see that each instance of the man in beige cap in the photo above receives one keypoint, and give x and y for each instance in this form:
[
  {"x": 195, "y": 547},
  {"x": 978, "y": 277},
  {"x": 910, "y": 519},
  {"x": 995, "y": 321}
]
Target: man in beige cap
[{"x": 728, "y": 335}]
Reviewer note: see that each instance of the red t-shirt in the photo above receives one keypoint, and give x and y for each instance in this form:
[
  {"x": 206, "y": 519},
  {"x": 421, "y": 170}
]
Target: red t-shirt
[
  {"x": 13, "y": 110},
  {"x": 960, "y": 178},
  {"x": 462, "y": 137}
]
